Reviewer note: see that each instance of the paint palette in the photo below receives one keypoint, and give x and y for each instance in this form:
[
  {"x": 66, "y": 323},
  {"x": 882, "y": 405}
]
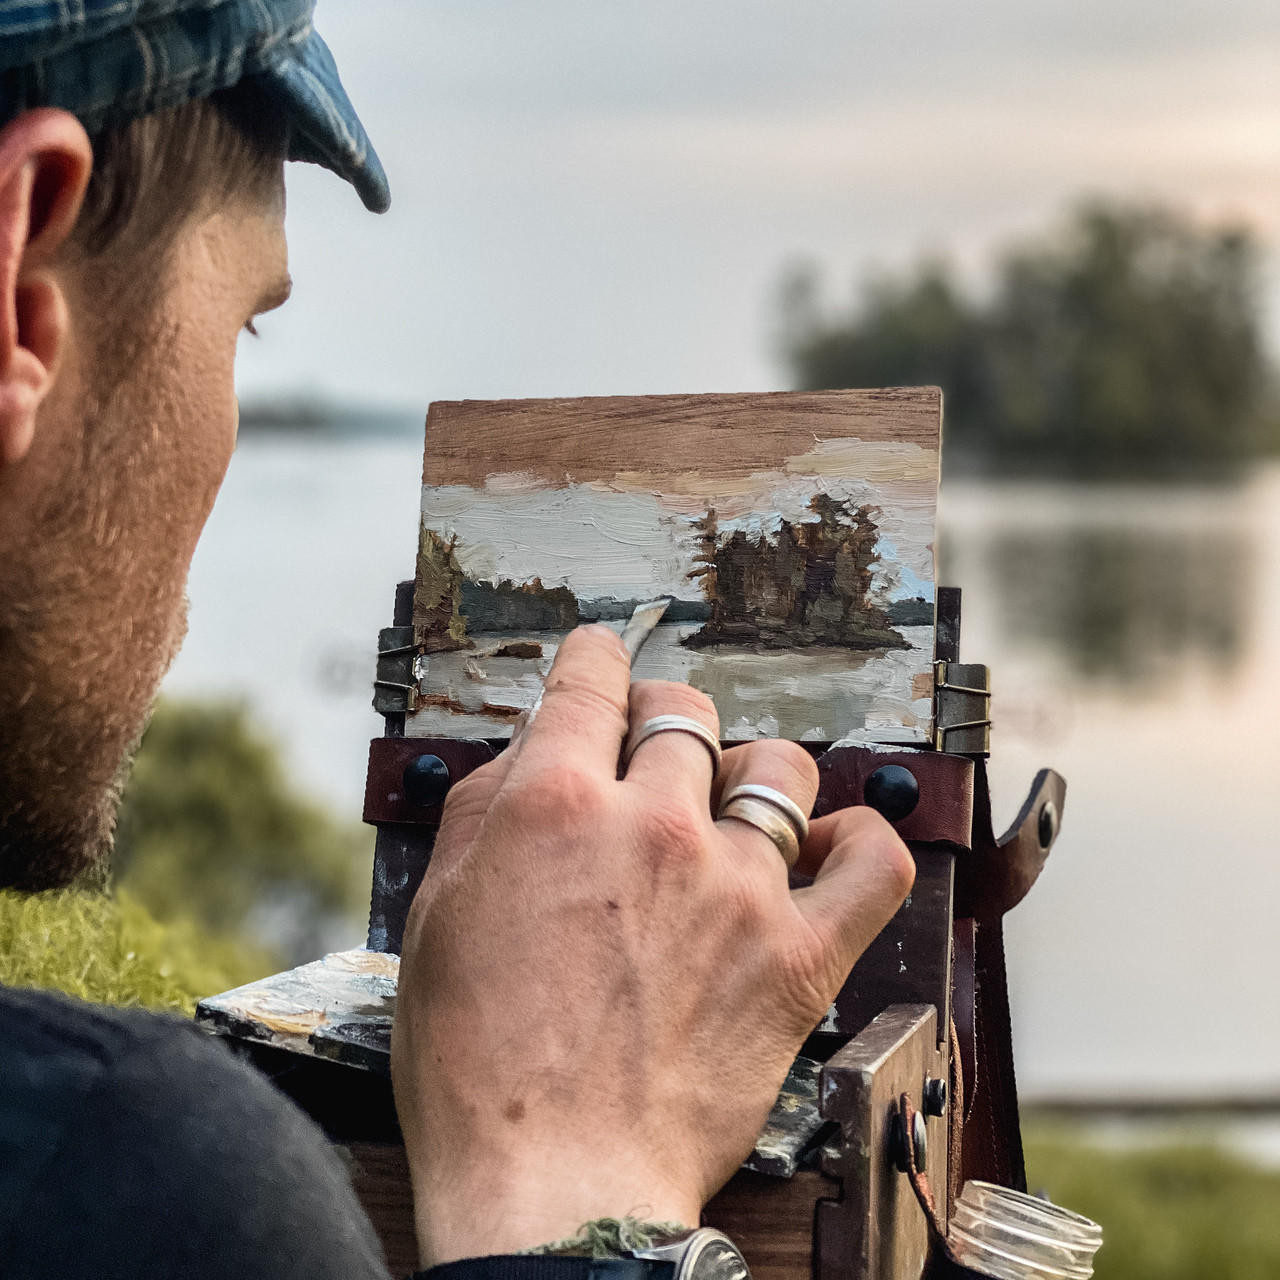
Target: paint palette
[{"x": 793, "y": 532}]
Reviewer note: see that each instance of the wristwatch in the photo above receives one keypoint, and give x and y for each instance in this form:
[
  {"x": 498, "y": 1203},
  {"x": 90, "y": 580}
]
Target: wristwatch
[{"x": 701, "y": 1254}]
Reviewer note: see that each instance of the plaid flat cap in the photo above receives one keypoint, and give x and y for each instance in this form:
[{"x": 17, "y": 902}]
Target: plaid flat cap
[{"x": 109, "y": 61}]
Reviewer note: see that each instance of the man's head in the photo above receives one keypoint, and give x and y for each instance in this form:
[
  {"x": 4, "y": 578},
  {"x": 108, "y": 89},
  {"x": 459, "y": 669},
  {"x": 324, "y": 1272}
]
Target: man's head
[{"x": 130, "y": 261}]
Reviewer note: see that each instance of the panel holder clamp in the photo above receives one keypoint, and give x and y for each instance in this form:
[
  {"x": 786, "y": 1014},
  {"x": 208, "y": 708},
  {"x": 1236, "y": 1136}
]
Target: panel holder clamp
[
  {"x": 395, "y": 691},
  {"x": 962, "y": 708}
]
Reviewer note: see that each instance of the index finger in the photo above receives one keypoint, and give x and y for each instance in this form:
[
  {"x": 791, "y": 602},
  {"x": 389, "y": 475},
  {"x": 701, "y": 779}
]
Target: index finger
[{"x": 582, "y": 718}]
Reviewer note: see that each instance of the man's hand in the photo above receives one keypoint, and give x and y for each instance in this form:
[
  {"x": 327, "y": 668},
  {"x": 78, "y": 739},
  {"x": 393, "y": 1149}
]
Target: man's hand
[{"x": 602, "y": 989}]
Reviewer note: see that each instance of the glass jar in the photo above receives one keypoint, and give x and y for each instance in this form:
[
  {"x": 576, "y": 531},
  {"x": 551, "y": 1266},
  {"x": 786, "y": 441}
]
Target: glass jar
[{"x": 1011, "y": 1236}]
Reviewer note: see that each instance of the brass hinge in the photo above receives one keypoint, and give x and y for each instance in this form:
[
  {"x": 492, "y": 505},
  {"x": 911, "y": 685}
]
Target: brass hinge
[
  {"x": 962, "y": 708},
  {"x": 395, "y": 689}
]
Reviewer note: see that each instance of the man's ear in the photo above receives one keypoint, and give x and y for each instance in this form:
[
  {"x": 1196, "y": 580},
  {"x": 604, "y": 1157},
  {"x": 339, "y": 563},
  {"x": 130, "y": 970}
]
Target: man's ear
[{"x": 45, "y": 161}]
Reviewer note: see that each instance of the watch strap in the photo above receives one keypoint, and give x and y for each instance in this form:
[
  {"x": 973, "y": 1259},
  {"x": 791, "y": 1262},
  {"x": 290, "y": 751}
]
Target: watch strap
[{"x": 524, "y": 1266}]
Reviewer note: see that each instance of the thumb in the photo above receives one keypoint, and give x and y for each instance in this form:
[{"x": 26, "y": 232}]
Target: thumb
[{"x": 863, "y": 874}]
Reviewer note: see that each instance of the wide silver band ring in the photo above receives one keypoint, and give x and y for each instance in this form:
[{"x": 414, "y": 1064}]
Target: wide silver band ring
[
  {"x": 778, "y": 799},
  {"x": 674, "y": 724},
  {"x": 768, "y": 819}
]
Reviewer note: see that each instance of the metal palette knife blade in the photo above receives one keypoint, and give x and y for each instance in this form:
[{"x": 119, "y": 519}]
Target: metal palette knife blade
[{"x": 639, "y": 627}]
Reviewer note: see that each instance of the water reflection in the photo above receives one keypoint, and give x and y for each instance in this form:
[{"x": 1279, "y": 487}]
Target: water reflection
[
  {"x": 1127, "y": 588},
  {"x": 1125, "y": 602}
]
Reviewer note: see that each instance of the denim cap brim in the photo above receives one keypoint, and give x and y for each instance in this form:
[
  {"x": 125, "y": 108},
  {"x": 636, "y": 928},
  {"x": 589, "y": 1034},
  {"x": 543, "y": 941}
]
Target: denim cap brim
[
  {"x": 325, "y": 127},
  {"x": 109, "y": 61}
]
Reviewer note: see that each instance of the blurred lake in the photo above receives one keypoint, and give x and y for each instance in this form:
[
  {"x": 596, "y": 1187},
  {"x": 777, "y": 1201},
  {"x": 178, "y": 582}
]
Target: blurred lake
[{"x": 1131, "y": 636}]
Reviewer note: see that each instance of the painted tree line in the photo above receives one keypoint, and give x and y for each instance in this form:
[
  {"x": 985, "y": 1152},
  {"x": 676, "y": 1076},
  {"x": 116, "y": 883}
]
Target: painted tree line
[{"x": 808, "y": 584}]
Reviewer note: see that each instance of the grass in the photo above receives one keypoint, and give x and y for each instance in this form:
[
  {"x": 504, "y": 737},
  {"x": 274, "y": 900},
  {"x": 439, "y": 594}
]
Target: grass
[
  {"x": 110, "y": 950},
  {"x": 1168, "y": 1212}
]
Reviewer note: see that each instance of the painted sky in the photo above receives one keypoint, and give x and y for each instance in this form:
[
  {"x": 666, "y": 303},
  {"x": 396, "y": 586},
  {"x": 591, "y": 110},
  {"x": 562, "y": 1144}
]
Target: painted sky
[
  {"x": 595, "y": 198},
  {"x": 622, "y": 539}
]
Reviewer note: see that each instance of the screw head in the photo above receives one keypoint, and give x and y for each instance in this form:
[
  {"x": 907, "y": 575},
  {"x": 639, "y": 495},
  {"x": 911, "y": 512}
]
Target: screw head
[
  {"x": 426, "y": 780},
  {"x": 892, "y": 791},
  {"x": 935, "y": 1096},
  {"x": 1048, "y": 824}
]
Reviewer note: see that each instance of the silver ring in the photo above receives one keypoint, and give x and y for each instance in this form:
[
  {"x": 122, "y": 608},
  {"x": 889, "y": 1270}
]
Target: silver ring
[
  {"x": 765, "y": 817},
  {"x": 779, "y": 800},
  {"x": 675, "y": 724}
]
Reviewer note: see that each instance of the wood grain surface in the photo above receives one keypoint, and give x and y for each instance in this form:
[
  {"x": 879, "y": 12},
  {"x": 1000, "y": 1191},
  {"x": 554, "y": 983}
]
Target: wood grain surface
[
  {"x": 593, "y": 437},
  {"x": 380, "y": 1175},
  {"x": 772, "y": 1220}
]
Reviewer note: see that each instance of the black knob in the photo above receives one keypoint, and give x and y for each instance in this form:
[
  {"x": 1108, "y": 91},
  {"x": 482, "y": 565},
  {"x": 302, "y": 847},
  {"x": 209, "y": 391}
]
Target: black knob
[
  {"x": 426, "y": 780},
  {"x": 892, "y": 791},
  {"x": 1048, "y": 823},
  {"x": 935, "y": 1096}
]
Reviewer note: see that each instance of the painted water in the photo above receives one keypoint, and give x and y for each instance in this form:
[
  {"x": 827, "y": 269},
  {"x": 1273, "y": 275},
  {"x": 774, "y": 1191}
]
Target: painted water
[
  {"x": 1131, "y": 636},
  {"x": 816, "y": 694}
]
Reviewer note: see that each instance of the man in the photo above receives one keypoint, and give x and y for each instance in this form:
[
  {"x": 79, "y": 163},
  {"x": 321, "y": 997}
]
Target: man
[{"x": 602, "y": 988}]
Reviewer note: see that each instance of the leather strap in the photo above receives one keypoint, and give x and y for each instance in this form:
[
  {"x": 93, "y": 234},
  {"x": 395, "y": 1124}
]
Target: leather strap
[
  {"x": 994, "y": 877},
  {"x": 997, "y": 873},
  {"x": 993, "y": 1134},
  {"x": 943, "y": 813},
  {"x": 542, "y": 1266},
  {"x": 942, "y": 1263},
  {"x": 963, "y": 1001},
  {"x": 956, "y": 1113}
]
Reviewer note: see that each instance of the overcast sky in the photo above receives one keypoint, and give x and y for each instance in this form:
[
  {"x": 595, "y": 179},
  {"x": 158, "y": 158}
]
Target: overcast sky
[{"x": 598, "y": 197}]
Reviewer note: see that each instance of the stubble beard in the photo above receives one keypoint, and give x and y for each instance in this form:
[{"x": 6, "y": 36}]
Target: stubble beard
[
  {"x": 53, "y": 840},
  {"x": 64, "y": 764},
  {"x": 92, "y": 613}
]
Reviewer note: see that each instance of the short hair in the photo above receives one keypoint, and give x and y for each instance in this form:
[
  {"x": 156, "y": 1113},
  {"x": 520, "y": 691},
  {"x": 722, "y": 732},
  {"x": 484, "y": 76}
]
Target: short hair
[{"x": 151, "y": 175}]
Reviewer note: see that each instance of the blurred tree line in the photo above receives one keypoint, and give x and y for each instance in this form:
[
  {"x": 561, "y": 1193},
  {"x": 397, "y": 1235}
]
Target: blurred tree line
[
  {"x": 1127, "y": 342},
  {"x": 213, "y": 831},
  {"x": 223, "y": 872}
]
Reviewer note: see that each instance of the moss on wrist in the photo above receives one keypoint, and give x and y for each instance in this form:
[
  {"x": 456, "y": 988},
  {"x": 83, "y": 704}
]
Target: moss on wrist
[{"x": 612, "y": 1237}]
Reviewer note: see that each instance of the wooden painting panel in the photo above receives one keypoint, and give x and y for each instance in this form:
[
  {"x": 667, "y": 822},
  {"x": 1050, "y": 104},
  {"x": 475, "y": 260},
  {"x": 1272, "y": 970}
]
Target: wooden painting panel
[{"x": 793, "y": 531}]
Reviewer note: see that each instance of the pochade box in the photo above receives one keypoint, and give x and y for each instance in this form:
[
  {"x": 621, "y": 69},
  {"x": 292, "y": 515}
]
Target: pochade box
[{"x": 794, "y": 535}]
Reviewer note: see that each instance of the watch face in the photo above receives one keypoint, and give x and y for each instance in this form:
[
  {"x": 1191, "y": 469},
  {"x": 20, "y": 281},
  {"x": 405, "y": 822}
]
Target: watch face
[{"x": 713, "y": 1256}]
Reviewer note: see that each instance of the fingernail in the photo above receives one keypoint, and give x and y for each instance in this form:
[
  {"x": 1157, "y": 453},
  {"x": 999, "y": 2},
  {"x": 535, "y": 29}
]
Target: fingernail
[{"x": 609, "y": 631}]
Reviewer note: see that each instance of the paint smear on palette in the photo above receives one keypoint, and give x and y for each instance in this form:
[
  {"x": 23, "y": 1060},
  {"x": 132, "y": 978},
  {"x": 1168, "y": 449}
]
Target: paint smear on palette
[{"x": 800, "y": 565}]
